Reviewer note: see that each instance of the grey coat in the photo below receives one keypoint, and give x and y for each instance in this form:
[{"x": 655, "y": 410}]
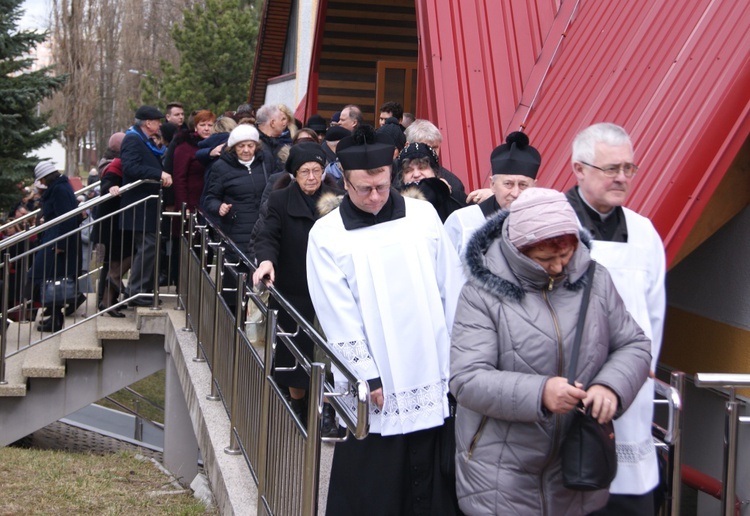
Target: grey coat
[{"x": 505, "y": 346}]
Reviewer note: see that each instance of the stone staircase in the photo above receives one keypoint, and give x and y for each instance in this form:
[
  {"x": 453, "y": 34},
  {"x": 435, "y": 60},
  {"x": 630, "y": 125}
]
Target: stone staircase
[{"x": 91, "y": 358}]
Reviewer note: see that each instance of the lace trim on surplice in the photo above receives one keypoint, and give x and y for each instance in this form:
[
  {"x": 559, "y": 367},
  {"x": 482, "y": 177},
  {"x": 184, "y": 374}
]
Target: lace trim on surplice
[{"x": 355, "y": 352}]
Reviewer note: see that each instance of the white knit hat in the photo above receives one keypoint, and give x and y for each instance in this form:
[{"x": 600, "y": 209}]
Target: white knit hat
[
  {"x": 43, "y": 169},
  {"x": 539, "y": 214},
  {"x": 243, "y": 133}
]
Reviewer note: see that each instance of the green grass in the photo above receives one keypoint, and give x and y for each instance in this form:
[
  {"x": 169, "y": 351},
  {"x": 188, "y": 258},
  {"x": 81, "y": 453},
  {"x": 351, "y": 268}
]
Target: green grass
[
  {"x": 152, "y": 388},
  {"x": 45, "y": 481}
]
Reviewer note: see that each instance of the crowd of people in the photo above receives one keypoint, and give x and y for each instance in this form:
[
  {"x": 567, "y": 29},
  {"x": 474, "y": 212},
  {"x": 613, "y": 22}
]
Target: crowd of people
[{"x": 459, "y": 309}]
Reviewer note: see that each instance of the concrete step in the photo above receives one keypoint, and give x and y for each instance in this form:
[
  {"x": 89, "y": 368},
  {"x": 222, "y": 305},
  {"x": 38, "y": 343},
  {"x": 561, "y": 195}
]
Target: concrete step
[
  {"x": 113, "y": 328},
  {"x": 81, "y": 342},
  {"x": 43, "y": 360},
  {"x": 16, "y": 381}
]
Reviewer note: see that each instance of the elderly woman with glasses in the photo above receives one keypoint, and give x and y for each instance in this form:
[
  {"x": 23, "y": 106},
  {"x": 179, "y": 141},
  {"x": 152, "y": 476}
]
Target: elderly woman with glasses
[{"x": 280, "y": 248}]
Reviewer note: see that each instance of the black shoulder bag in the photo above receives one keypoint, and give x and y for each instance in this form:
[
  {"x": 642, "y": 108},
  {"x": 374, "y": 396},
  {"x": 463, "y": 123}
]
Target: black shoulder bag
[{"x": 589, "y": 457}]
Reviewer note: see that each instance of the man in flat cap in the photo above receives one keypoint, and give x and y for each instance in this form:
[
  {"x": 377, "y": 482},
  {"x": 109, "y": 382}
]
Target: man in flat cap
[
  {"x": 142, "y": 159},
  {"x": 384, "y": 280},
  {"x": 515, "y": 165}
]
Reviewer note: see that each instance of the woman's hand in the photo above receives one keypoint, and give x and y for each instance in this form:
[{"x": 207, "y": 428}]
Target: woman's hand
[
  {"x": 603, "y": 403},
  {"x": 216, "y": 150},
  {"x": 265, "y": 268},
  {"x": 560, "y": 397},
  {"x": 224, "y": 208},
  {"x": 114, "y": 190}
]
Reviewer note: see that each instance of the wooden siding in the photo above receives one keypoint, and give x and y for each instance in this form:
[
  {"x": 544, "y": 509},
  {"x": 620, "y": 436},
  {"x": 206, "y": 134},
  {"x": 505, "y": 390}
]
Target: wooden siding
[
  {"x": 269, "y": 52},
  {"x": 356, "y": 36}
]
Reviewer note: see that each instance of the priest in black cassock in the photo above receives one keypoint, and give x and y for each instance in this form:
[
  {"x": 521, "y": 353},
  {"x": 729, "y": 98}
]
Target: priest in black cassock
[{"x": 385, "y": 279}]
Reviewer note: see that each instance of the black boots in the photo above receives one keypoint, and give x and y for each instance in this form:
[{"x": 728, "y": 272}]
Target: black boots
[
  {"x": 72, "y": 307},
  {"x": 53, "y": 323}
]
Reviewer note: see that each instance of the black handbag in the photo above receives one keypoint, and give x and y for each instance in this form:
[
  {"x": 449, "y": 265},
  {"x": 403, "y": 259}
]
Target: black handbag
[
  {"x": 58, "y": 292},
  {"x": 589, "y": 456}
]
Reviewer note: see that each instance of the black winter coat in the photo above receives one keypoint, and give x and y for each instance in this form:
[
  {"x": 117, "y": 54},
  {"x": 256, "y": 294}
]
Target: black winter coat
[
  {"x": 139, "y": 162},
  {"x": 282, "y": 239},
  {"x": 232, "y": 183}
]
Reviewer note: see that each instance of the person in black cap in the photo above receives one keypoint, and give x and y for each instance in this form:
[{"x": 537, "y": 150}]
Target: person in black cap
[
  {"x": 515, "y": 165},
  {"x": 419, "y": 171},
  {"x": 384, "y": 281},
  {"x": 318, "y": 124},
  {"x": 141, "y": 159},
  {"x": 280, "y": 245}
]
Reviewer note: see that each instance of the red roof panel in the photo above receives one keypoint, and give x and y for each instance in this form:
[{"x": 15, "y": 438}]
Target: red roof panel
[{"x": 676, "y": 75}]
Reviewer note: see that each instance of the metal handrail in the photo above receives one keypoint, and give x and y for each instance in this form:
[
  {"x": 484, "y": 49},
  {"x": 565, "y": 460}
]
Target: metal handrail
[
  {"x": 732, "y": 420},
  {"x": 357, "y": 424},
  {"x": 19, "y": 237},
  {"x": 672, "y": 435},
  {"x": 34, "y": 213}
]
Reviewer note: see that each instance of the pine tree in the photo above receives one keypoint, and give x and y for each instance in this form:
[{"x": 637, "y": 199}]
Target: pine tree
[
  {"x": 22, "y": 128},
  {"x": 216, "y": 42}
]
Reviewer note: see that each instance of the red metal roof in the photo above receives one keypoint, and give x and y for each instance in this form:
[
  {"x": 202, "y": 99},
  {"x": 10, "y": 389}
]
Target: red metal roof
[{"x": 676, "y": 75}]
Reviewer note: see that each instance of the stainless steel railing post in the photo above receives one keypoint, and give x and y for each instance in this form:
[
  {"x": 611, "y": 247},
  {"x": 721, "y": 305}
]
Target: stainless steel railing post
[
  {"x": 180, "y": 304},
  {"x": 214, "y": 396},
  {"x": 312, "y": 443},
  {"x": 677, "y": 381},
  {"x": 730, "y": 381},
  {"x": 265, "y": 408},
  {"x": 233, "y": 448},
  {"x": 201, "y": 290},
  {"x": 729, "y": 478},
  {"x": 4, "y": 326},
  {"x": 157, "y": 259},
  {"x": 188, "y": 288}
]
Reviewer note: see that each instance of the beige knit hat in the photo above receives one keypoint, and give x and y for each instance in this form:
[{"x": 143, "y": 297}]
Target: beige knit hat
[{"x": 539, "y": 214}]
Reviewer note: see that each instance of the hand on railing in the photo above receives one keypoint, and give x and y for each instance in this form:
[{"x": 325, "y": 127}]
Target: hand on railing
[
  {"x": 264, "y": 273},
  {"x": 115, "y": 190},
  {"x": 166, "y": 179}
]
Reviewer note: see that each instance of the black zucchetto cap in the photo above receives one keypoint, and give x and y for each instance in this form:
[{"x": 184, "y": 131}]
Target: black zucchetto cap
[
  {"x": 394, "y": 132},
  {"x": 336, "y": 133},
  {"x": 365, "y": 150},
  {"x": 302, "y": 153},
  {"x": 516, "y": 157},
  {"x": 148, "y": 113}
]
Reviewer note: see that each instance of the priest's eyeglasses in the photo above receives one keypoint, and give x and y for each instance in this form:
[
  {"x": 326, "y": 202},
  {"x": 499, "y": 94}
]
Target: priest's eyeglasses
[
  {"x": 365, "y": 191},
  {"x": 611, "y": 171}
]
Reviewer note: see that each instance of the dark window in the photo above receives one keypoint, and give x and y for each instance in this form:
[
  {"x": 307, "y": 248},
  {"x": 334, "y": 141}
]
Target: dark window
[{"x": 290, "y": 47}]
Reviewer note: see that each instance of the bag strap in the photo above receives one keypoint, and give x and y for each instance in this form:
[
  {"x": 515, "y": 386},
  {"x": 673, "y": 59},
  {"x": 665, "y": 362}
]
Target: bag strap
[{"x": 581, "y": 319}]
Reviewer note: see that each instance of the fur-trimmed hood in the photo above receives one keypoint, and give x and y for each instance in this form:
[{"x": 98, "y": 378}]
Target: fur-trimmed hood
[
  {"x": 329, "y": 202},
  {"x": 493, "y": 264}
]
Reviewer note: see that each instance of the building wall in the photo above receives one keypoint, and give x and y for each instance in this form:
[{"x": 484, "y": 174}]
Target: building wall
[{"x": 709, "y": 308}]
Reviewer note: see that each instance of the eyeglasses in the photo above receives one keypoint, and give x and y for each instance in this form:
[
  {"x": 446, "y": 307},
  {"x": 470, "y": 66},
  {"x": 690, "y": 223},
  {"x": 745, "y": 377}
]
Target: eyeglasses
[
  {"x": 611, "y": 171},
  {"x": 365, "y": 191},
  {"x": 310, "y": 172}
]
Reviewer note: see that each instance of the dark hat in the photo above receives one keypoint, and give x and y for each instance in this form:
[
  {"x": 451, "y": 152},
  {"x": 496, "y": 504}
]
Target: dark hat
[
  {"x": 336, "y": 133},
  {"x": 419, "y": 150},
  {"x": 336, "y": 117},
  {"x": 148, "y": 113},
  {"x": 516, "y": 157},
  {"x": 168, "y": 130},
  {"x": 365, "y": 149},
  {"x": 302, "y": 153},
  {"x": 394, "y": 132},
  {"x": 317, "y": 123}
]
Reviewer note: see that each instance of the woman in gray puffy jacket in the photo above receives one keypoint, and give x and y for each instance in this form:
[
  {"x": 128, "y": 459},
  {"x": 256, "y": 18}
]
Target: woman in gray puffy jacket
[{"x": 511, "y": 346}]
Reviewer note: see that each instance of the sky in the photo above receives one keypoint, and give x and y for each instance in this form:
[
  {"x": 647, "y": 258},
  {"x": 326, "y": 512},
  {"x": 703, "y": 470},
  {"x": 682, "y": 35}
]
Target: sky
[{"x": 36, "y": 14}]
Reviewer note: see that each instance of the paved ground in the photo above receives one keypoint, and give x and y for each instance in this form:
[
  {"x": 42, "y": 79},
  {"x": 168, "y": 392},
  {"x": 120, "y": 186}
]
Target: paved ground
[{"x": 60, "y": 436}]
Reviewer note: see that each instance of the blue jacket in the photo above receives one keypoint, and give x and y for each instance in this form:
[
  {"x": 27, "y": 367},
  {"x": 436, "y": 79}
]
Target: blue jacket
[
  {"x": 139, "y": 161},
  {"x": 62, "y": 259}
]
